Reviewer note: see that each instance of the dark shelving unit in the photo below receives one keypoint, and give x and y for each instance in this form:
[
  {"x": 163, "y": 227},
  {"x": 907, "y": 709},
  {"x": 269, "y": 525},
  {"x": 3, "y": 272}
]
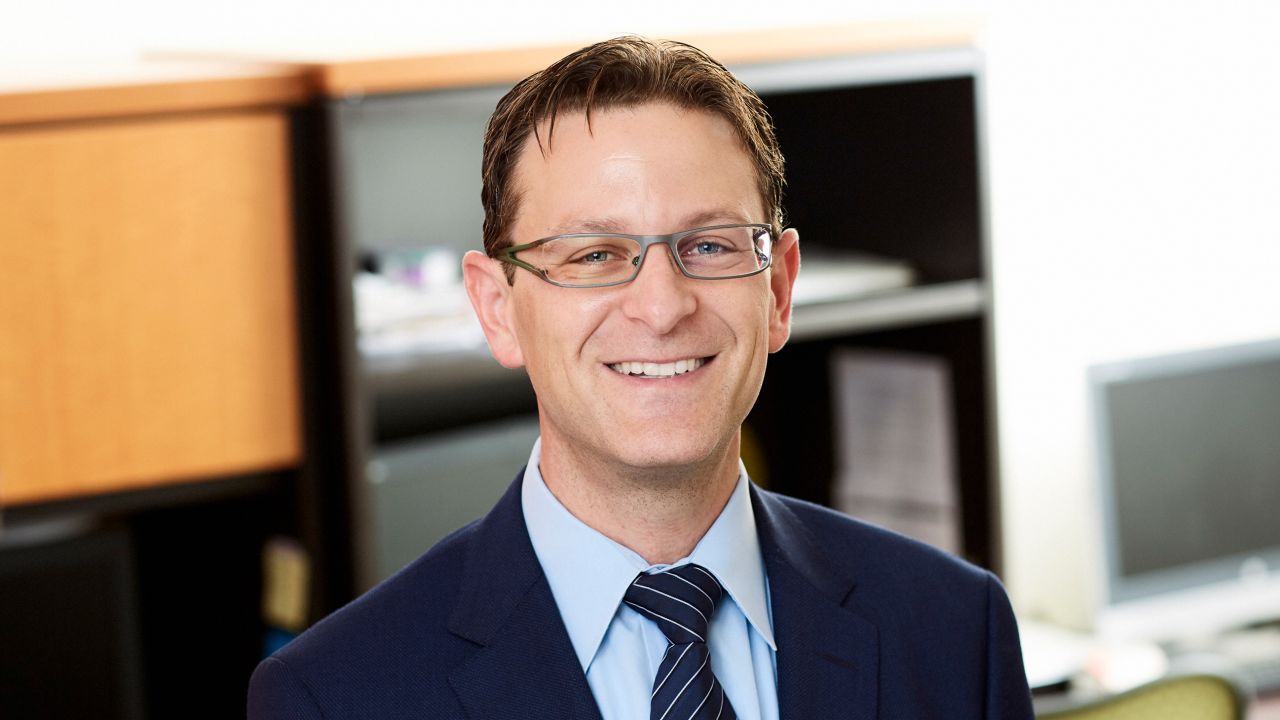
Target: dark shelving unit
[{"x": 884, "y": 157}]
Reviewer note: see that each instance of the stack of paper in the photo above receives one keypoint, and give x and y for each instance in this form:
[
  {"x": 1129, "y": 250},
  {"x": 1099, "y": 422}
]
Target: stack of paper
[{"x": 895, "y": 456}]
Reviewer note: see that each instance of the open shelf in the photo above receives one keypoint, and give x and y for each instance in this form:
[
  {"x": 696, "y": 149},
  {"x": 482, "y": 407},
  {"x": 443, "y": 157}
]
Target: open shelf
[
  {"x": 413, "y": 393},
  {"x": 429, "y": 371},
  {"x": 894, "y": 308}
]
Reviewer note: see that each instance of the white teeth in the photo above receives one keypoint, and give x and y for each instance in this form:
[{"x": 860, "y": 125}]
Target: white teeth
[{"x": 657, "y": 370}]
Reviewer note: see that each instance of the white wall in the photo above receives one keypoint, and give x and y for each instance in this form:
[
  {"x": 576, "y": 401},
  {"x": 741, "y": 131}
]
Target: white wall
[{"x": 1134, "y": 175}]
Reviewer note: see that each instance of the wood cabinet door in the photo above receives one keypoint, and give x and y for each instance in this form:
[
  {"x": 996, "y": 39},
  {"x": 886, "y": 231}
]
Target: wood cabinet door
[{"x": 147, "y": 306}]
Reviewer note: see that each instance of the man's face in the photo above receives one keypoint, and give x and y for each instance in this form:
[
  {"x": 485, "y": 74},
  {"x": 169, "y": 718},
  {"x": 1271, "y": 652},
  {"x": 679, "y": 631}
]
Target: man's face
[{"x": 644, "y": 170}]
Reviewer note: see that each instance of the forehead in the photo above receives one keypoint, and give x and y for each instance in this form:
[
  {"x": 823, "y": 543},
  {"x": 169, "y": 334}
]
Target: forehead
[{"x": 645, "y": 167}]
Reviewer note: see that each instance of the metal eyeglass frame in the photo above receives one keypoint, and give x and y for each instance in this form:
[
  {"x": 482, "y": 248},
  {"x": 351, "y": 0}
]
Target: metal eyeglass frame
[{"x": 508, "y": 254}]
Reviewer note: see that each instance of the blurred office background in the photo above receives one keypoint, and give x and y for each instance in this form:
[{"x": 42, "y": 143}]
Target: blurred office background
[{"x": 1132, "y": 170}]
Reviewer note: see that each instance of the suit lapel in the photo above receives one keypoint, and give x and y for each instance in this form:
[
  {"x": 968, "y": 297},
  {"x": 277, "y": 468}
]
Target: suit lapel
[
  {"x": 828, "y": 656},
  {"x": 828, "y": 664},
  {"x": 505, "y": 605}
]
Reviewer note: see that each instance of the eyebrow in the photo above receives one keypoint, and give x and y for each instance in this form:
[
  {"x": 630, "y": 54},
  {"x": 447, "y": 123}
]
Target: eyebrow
[
  {"x": 719, "y": 216},
  {"x": 602, "y": 225}
]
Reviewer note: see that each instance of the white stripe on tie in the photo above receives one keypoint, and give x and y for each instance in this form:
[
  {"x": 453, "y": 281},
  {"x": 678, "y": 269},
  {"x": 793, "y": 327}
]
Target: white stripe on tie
[
  {"x": 710, "y": 690},
  {"x": 647, "y": 611},
  {"x": 695, "y": 587},
  {"x": 686, "y": 686},
  {"x": 673, "y": 669},
  {"x": 704, "y": 572},
  {"x": 682, "y": 602}
]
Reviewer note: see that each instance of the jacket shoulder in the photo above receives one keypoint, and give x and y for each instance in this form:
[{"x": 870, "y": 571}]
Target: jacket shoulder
[
  {"x": 880, "y": 558},
  {"x": 388, "y": 639},
  {"x": 947, "y": 635}
]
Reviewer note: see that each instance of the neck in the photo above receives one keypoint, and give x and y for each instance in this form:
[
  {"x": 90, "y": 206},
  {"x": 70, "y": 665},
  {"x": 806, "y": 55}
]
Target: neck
[{"x": 659, "y": 512}]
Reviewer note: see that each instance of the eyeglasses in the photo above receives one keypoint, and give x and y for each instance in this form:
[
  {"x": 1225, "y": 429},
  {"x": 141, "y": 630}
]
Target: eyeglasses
[{"x": 578, "y": 260}]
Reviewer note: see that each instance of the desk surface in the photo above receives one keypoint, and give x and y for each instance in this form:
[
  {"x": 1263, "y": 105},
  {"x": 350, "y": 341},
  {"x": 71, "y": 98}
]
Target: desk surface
[
  {"x": 84, "y": 91},
  {"x": 1093, "y": 667}
]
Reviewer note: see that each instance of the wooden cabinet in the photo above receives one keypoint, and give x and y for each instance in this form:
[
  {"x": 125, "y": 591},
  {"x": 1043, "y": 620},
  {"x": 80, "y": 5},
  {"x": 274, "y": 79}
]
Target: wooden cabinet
[
  {"x": 151, "y": 426},
  {"x": 147, "y": 308}
]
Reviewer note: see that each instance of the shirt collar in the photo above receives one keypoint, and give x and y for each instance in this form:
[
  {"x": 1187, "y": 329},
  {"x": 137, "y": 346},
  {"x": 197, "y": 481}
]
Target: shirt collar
[{"x": 589, "y": 573}]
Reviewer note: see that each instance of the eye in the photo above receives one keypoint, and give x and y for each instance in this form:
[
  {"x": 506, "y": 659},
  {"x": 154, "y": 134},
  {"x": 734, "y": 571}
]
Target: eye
[
  {"x": 707, "y": 245},
  {"x": 594, "y": 256}
]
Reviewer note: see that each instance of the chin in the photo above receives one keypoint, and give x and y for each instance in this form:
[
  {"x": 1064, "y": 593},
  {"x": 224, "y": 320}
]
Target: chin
[{"x": 678, "y": 455}]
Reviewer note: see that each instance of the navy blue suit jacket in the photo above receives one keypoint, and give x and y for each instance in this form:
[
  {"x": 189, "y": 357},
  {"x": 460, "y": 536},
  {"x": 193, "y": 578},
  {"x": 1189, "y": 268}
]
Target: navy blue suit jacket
[{"x": 868, "y": 625}]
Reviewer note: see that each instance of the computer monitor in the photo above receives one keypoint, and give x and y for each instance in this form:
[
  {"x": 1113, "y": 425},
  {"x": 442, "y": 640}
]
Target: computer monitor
[{"x": 1188, "y": 461}]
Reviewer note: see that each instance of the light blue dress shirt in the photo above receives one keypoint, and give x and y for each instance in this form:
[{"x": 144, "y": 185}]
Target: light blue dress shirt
[{"x": 620, "y": 649}]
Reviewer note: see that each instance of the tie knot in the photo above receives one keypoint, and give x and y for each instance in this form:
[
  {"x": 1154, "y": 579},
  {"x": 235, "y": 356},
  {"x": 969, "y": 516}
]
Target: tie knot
[{"x": 679, "y": 599}]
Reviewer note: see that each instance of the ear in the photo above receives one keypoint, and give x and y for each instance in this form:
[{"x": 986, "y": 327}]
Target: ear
[
  {"x": 782, "y": 280},
  {"x": 490, "y": 295}
]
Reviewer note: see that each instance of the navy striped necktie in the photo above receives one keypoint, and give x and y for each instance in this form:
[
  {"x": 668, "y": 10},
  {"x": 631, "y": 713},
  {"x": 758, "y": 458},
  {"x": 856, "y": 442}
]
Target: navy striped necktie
[{"x": 681, "y": 601}]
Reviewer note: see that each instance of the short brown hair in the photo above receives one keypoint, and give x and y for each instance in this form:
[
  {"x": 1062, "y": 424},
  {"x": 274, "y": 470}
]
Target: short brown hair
[{"x": 623, "y": 72}]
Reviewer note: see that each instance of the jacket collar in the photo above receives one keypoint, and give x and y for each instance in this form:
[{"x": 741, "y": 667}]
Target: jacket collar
[
  {"x": 506, "y": 607},
  {"x": 828, "y": 656}
]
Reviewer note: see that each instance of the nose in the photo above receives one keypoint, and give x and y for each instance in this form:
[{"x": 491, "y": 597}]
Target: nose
[{"x": 660, "y": 296}]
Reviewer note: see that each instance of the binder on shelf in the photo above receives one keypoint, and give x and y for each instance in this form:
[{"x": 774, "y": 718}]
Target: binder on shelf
[
  {"x": 286, "y": 578},
  {"x": 895, "y": 449}
]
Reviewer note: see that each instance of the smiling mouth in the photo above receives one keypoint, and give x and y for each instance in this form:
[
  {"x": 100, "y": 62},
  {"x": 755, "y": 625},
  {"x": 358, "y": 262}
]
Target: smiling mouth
[{"x": 639, "y": 368}]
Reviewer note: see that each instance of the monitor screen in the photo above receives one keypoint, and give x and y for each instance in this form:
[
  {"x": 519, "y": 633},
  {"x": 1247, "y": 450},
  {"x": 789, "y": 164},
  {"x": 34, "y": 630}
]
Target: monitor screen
[{"x": 1188, "y": 450}]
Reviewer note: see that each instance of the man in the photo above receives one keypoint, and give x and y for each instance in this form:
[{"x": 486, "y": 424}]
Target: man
[{"x": 636, "y": 269}]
